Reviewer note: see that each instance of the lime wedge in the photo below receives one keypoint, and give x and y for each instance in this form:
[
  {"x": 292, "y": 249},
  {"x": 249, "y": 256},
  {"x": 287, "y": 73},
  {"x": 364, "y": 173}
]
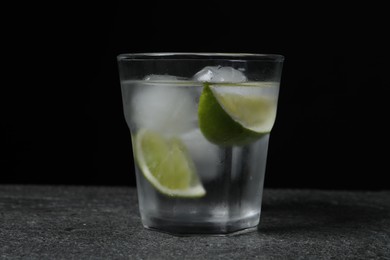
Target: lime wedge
[
  {"x": 166, "y": 165},
  {"x": 229, "y": 119}
]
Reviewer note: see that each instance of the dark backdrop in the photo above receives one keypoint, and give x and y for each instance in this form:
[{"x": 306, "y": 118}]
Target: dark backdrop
[{"x": 62, "y": 119}]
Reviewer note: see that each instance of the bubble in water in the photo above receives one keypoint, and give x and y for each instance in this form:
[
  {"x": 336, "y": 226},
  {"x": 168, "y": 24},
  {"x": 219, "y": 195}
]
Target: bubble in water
[{"x": 219, "y": 74}]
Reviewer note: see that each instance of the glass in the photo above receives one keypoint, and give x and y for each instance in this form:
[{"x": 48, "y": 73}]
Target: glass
[{"x": 200, "y": 126}]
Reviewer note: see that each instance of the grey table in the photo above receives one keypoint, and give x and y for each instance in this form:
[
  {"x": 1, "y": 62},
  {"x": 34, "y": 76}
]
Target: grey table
[{"x": 60, "y": 222}]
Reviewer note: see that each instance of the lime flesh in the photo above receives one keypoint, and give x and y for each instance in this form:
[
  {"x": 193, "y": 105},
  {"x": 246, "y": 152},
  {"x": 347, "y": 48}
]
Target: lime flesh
[
  {"x": 229, "y": 119},
  {"x": 166, "y": 165}
]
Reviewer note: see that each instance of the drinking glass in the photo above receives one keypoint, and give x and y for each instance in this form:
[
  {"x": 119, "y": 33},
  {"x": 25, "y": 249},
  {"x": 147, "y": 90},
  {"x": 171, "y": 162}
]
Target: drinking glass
[{"x": 200, "y": 125}]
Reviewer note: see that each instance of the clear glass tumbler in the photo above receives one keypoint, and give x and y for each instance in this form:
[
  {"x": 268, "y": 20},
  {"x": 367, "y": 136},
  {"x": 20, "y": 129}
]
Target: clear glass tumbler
[{"x": 200, "y": 125}]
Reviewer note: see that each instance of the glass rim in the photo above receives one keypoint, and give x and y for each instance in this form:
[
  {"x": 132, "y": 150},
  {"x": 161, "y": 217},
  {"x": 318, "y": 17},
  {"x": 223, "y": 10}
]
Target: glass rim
[{"x": 143, "y": 56}]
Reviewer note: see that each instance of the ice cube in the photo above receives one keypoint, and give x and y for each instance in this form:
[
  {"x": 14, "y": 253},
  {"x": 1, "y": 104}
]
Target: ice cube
[
  {"x": 164, "y": 108},
  {"x": 219, "y": 74},
  {"x": 163, "y": 78},
  {"x": 204, "y": 154}
]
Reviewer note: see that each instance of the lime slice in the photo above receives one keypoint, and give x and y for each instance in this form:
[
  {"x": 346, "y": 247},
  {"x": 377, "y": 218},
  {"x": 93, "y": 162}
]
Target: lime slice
[
  {"x": 166, "y": 165},
  {"x": 234, "y": 118}
]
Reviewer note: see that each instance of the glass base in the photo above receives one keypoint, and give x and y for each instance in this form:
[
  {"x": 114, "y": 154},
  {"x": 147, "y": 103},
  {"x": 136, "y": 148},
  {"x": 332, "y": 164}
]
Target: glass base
[{"x": 230, "y": 228}]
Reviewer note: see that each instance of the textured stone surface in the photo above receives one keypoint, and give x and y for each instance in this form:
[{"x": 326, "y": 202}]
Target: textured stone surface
[{"x": 54, "y": 222}]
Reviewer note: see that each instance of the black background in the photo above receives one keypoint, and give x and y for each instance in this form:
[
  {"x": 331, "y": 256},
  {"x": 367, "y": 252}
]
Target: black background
[{"x": 62, "y": 119}]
